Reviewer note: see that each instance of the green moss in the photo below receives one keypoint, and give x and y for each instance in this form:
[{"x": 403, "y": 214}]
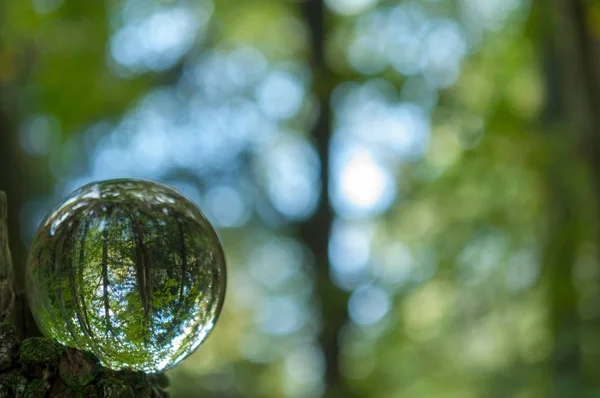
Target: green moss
[
  {"x": 41, "y": 367},
  {"x": 39, "y": 350},
  {"x": 114, "y": 388},
  {"x": 35, "y": 389}
]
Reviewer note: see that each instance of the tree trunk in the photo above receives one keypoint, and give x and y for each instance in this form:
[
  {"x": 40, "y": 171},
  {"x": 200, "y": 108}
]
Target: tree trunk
[
  {"x": 316, "y": 231},
  {"x": 7, "y": 296},
  {"x": 573, "y": 83}
]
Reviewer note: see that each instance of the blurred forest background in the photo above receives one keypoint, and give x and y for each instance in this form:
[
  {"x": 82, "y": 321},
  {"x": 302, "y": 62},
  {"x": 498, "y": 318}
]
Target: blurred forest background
[{"x": 407, "y": 190}]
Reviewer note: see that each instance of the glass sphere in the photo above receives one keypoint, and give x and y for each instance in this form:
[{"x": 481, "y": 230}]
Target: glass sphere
[{"x": 129, "y": 270}]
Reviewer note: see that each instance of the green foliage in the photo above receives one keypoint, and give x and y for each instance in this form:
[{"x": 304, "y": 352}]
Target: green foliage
[{"x": 488, "y": 253}]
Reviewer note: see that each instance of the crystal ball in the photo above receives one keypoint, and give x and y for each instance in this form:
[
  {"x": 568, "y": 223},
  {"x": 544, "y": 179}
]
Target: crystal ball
[{"x": 130, "y": 270}]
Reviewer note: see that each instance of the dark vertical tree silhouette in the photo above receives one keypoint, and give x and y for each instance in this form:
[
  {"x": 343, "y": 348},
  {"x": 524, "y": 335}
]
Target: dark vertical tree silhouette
[
  {"x": 573, "y": 85},
  {"x": 105, "y": 282},
  {"x": 140, "y": 265},
  {"x": 57, "y": 280},
  {"x": 79, "y": 281},
  {"x": 10, "y": 159},
  {"x": 7, "y": 294},
  {"x": 183, "y": 252},
  {"x": 316, "y": 231}
]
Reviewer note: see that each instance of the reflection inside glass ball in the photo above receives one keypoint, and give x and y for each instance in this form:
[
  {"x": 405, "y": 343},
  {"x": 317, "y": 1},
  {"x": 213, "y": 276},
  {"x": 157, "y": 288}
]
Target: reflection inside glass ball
[{"x": 129, "y": 270}]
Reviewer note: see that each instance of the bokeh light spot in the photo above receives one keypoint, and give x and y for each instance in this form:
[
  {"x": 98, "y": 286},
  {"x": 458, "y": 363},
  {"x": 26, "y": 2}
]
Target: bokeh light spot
[
  {"x": 274, "y": 263},
  {"x": 368, "y": 304},
  {"x": 350, "y": 252},
  {"x": 158, "y": 41},
  {"x": 39, "y": 133},
  {"x": 350, "y": 7},
  {"x": 280, "y": 95},
  {"x": 280, "y": 315},
  {"x": 361, "y": 185},
  {"x": 292, "y": 170},
  {"x": 47, "y": 6},
  {"x": 226, "y": 206}
]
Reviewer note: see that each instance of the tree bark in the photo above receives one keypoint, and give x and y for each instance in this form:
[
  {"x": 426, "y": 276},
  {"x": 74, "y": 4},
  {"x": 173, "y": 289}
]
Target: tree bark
[{"x": 7, "y": 296}]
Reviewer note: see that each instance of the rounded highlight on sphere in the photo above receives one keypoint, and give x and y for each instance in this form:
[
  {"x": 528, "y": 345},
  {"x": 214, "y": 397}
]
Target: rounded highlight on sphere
[{"x": 129, "y": 270}]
